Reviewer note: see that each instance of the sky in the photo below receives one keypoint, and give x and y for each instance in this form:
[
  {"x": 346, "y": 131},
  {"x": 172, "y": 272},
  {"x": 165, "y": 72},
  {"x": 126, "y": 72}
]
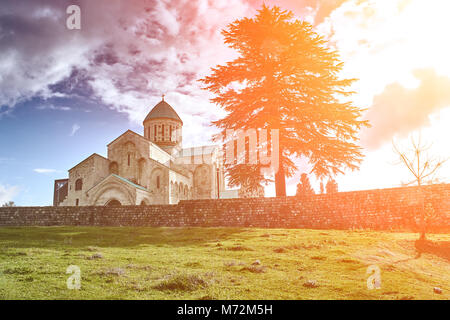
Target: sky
[{"x": 65, "y": 94}]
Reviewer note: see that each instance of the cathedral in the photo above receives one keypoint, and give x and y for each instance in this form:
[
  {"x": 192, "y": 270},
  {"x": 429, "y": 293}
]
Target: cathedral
[{"x": 152, "y": 168}]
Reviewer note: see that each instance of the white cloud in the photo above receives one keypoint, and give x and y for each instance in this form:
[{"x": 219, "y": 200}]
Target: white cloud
[
  {"x": 129, "y": 62},
  {"x": 53, "y": 107},
  {"x": 381, "y": 42},
  {"x": 36, "y": 52},
  {"x": 42, "y": 170},
  {"x": 7, "y": 193},
  {"x": 400, "y": 110},
  {"x": 75, "y": 128}
]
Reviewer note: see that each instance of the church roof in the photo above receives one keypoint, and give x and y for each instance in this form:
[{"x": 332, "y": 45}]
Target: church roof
[
  {"x": 122, "y": 179},
  {"x": 91, "y": 156},
  {"x": 163, "y": 110},
  {"x": 129, "y": 182}
]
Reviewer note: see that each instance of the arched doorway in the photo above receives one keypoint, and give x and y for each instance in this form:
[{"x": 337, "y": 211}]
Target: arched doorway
[{"x": 113, "y": 203}]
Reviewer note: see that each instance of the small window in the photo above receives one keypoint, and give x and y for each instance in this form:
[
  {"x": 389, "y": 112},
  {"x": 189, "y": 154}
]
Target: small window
[
  {"x": 77, "y": 202},
  {"x": 114, "y": 168},
  {"x": 162, "y": 131},
  {"x": 155, "y": 133},
  {"x": 129, "y": 159},
  {"x": 78, "y": 184},
  {"x": 158, "y": 182}
]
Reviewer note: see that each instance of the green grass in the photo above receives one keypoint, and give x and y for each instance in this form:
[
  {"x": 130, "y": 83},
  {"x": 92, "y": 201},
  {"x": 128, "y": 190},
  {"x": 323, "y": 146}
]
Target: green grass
[{"x": 215, "y": 263}]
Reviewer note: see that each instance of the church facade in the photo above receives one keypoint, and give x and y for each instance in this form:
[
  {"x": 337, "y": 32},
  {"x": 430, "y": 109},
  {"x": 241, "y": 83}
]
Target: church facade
[{"x": 152, "y": 168}]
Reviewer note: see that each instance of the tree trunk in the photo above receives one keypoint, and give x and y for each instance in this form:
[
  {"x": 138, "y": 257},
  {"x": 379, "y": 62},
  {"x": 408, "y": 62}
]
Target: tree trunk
[
  {"x": 422, "y": 209},
  {"x": 423, "y": 236},
  {"x": 280, "y": 182},
  {"x": 280, "y": 177}
]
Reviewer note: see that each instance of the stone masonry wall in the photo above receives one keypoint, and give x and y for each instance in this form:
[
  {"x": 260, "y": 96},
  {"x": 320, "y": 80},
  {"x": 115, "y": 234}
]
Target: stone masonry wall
[{"x": 383, "y": 209}]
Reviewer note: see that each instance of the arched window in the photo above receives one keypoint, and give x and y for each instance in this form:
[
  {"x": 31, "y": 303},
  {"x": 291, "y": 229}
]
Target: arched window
[
  {"x": 158, "y": 182},
  {"x": 114, "y": 168},
  {"x": 78, "y": 184}
]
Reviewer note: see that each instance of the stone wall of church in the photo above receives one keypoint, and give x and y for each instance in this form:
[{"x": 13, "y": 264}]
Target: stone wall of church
[
  {"x": 145, "y": 164},
  {"x": 158, "y": 185},
  {"x": 86, "y": 174},
  {"x": 159, "y": 155},
  {"x": 129, "y": 154},
  {"x": 204, "y": 181},
  {"x": 384, "y": 209},
  {"x": 180, "y": 187},
  {"x": 203, "y": 162}
]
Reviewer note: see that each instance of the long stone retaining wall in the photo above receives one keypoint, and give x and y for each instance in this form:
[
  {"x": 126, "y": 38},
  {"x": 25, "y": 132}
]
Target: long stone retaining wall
[{"x": 382, "y": 209}]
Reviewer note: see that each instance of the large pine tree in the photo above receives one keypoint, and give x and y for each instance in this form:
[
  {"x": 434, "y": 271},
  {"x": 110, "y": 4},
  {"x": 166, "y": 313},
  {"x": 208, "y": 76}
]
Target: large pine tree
[{"x": 287, "y": 78}]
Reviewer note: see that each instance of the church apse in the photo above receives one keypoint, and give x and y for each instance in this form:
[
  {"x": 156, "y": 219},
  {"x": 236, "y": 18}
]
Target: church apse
[{"x": 202, "y": 182}]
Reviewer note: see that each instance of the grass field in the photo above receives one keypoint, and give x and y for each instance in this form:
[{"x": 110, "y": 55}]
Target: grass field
[{"x": 215, "y": 263}]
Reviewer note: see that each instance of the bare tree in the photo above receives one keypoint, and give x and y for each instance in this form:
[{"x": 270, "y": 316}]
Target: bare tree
[{"x": 423, "y": 166}]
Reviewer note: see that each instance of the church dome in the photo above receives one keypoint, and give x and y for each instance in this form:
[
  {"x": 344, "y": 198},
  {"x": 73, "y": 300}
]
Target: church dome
[{"x": 163, "y": 110}]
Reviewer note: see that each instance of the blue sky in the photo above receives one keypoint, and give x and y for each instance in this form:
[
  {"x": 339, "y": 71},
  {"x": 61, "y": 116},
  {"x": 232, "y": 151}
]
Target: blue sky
[{"x": 39, "y": 145}]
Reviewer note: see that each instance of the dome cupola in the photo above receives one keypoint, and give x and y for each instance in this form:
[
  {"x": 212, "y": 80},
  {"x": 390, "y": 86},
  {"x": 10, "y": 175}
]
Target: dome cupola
[{"x": 163, "y": 126}]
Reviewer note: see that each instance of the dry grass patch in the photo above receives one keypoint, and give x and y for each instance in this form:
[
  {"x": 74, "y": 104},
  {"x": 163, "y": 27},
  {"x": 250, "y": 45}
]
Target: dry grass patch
[
  {"x": 239, "y": 248},
  {"x": 185, "y": 282},
  {"x": 254, "y": 269}
]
